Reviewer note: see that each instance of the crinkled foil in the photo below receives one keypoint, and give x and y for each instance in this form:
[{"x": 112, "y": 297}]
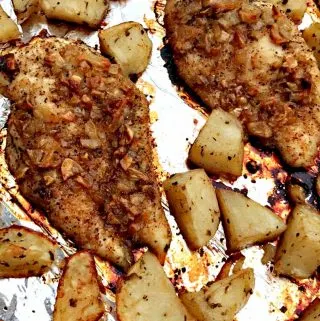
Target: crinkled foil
[{"x": 176, "y": 120}]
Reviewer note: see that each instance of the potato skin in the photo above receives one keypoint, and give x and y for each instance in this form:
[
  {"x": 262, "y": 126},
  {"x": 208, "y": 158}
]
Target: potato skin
[
  {"x": 9, "y": 30},
  {"x": 219, "y": 147},
  {"x": 294, "y": 9},
  {"x": 312, "y": 312},
  {"x": 25, "y": 252},
  {"x": 78, "y": 296},
  {"x": 221, "y": 300},
  {"x": 298, "y": 254},
  {"x": 312, "y": 37},
  {"x": 146, "y": 294},
  {"x": 25, "y": 8},
  {"x": 193, "y": 202},
  {"x": 76, "y": 11},
  {"x": 246, "y": 222},
  {"x": 128, "y": 43}
]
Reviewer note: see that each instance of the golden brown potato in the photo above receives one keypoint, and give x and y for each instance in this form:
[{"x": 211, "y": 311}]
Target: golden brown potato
[
  {"x": 269, "y": 253},
  {"x": 312, "y": 37},
  {"x": 86, "y": 12},
  {"x": 146, "y": 294},
  {"x": 294, "y": 9},
  {"x": 297, "y": 194},
  {"x": 8, "y": 29},
  {"x": 312, "y": 312},
  {"x": 193, "y": 202},
  {"x": 246, "y": 222},
  {"x": 25, "y": 8},
  {"x": 24, "y": 252},
  {"x": 219, "y": 146},
  {"x": 79, "y": 297},
  {"x": 298, "y": 254},
  {"x": 223, "y": 299},
  {"x": 128, "y": 43}
]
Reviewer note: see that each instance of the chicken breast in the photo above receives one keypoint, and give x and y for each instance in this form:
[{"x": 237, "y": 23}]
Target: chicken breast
[
  {"x": 250, "y": 59},
  {"x": 79, "y": 146}
]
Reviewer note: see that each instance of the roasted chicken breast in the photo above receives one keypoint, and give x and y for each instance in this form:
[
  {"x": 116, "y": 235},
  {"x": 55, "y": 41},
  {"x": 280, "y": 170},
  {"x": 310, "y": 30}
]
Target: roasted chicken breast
[
  {"x": 248, "y": 58},
  {"x": 79, "y": 146}
]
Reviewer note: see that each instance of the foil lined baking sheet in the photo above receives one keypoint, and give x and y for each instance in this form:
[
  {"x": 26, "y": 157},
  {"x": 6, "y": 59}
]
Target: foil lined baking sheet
[{"x": 176, "y": 120}]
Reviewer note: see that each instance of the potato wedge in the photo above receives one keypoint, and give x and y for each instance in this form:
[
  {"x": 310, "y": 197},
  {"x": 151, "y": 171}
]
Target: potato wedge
[
  {"x": 312, "y": 312},
  {"x": 247, "y": 222},
  {"x": 86, "y": 12},
  {"x": 8, "y": 30},
  {"x": 223, "y": 299},
  {"x": 219, "y": 146},
  {"x": 312, "y": 37},
  {"x": 298, "y": 254},
  {"x": 193, "y": 202},
  {"x": 78, "y": 297},
  {"x": 295, "y": 9},
  {"x": 24, "y": 252},
  {"x": 146, "y": 294},
  {"x": 128, "y": 43},
  {"x": 24, "y": 8}
]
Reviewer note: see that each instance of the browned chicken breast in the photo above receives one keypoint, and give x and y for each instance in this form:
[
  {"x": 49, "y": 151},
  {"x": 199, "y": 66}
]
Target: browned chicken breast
[
  {"x": 249, "y": 59},
  {"x": 79, "y": 146}
]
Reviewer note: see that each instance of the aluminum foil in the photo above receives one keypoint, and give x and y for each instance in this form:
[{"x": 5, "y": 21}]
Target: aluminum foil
[{"x": 176, "y": 120}]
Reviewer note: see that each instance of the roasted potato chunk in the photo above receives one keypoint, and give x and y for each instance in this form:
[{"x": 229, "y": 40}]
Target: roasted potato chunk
[
  {"x": 312, "y": 312},
  {"x": 298, "y": 254},
  {"x": 8, "y": 29},
  {"x": 24, "y": 252},
  {"x": 193, "y": 202},
  {"x": 294, "y": 9},
  {"x": 297, "y": 194},
  {"x": 312, "y": 37},
  {"x": 25, "y": 8},
  {"x": 219, "y": 146},
  {"x": 146, "y": 294},
  {"x": 247, "y": 222},
  {"x": 90, "y": 13},
  {"x": 223, "y": 299},
  {"x": 128, "y": 43},
  {"x": 79, "y": 297}
]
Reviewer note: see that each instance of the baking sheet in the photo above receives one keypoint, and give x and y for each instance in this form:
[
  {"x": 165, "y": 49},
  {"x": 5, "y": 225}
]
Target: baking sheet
[{"x": 176, "y": 120}]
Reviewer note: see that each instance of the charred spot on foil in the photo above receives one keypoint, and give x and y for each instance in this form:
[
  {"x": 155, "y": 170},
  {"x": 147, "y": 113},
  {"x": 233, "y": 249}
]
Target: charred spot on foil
[
  {"x": 112, "y": 287},
  {"x": 253, "y": 167},
  {"x": 307, "y": 180},
  {"x": 167, "y": 55},
  {"x": 283, "y": 309}
]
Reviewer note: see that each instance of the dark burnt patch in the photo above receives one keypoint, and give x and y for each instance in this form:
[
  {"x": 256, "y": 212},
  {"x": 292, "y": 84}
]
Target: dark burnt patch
[{"x": 9, "y": 66}]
